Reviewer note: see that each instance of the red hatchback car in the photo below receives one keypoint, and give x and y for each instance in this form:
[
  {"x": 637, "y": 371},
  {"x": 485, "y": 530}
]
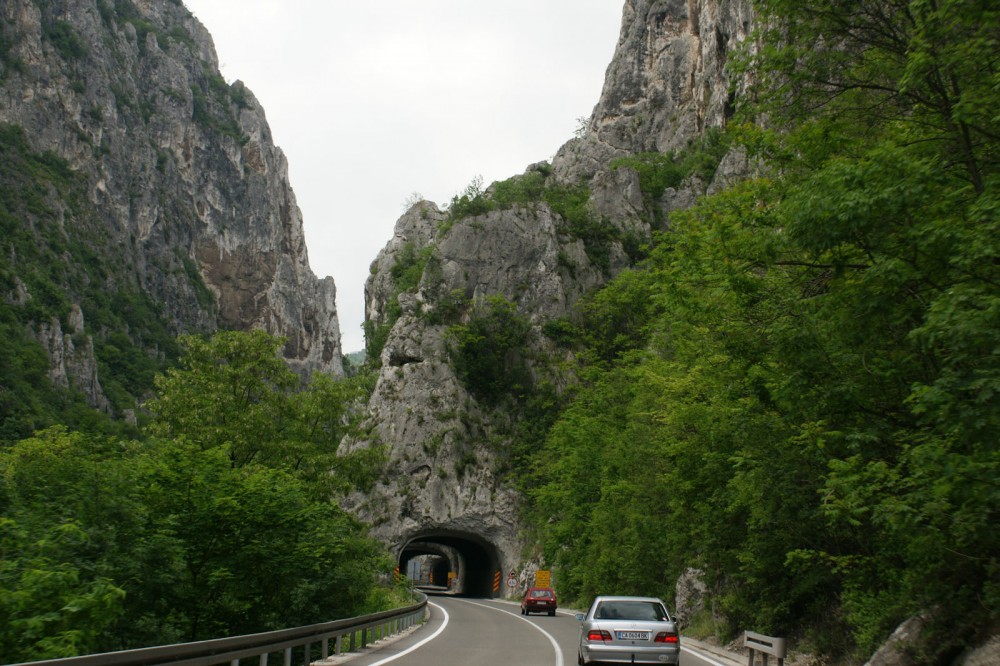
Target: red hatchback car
[{"x": 539, "y": 600}]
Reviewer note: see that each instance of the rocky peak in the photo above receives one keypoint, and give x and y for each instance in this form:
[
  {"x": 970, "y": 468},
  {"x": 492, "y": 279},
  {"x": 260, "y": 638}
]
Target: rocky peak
[{"x": 666, "y": 82}]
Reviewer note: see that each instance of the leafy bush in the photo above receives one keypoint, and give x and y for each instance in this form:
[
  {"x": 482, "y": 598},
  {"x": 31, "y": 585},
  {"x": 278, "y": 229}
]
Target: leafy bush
[
  {"x": 524, "y": 189},
  {"x": 488, "y": 353},
  {"x": 162, "y": 542},
  {"x": 409, "y": 267},
  {"x": 473, "y": 201}
]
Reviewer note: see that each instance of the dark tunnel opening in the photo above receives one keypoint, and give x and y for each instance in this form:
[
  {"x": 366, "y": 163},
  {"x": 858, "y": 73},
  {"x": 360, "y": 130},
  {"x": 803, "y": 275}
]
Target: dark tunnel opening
[{"x": 465, "y": 564}]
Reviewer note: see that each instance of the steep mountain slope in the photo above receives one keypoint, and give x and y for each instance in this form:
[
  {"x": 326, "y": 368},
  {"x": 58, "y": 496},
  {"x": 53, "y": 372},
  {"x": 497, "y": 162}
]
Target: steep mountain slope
[{"x": 156, "y": 202}]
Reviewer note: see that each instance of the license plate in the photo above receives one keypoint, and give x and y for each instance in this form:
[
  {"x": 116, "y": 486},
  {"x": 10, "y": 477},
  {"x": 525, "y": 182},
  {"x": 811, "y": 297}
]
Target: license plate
[{"x": 633, "y": 635}]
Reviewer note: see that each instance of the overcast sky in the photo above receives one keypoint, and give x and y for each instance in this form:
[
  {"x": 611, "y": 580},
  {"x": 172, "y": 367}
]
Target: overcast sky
[{"x": 373, "y": 101}]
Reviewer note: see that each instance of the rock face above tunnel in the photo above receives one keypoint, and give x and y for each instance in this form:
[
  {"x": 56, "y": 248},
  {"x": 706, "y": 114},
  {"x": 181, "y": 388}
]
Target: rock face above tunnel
[{"x": 450, "y": 449}]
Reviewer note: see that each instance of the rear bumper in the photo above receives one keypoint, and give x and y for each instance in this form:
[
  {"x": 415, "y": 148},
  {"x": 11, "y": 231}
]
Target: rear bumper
[{"x": 631, "y": 654}]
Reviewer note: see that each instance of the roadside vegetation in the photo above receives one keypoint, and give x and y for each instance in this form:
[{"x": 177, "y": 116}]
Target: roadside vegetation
[
  {"x": 798, "y": 392},
  {"x": 216, "y": 520}
]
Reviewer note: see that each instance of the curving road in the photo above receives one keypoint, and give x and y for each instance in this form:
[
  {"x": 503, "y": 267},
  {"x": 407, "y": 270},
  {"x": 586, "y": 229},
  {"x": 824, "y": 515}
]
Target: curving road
[{"x": 484, "y": 632}]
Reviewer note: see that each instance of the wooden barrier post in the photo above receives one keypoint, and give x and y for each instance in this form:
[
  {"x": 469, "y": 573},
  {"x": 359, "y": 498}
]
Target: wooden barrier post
[{"x": 766, "y": 645}]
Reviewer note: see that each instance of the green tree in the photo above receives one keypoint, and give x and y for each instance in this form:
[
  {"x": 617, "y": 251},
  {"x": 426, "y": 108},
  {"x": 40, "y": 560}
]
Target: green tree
[
  {"x": 325, "y": 412},
  {"x": 111, "y": 545},
  {"x": 252, "y": 549},
  {"x": 489, "y": 353},
  {"x": 220, "y": 523},
  {"x": 230, "y": 390}
]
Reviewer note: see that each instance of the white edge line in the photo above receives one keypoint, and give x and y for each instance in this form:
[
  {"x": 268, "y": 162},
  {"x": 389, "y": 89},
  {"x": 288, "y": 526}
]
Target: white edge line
[
  {"x": 421, "y": 643},
  {"x": 555, "y": 643},
  {"x": 701, "y": 656}
]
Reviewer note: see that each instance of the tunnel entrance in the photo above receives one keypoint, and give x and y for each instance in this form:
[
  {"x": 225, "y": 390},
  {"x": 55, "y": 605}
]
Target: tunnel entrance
[{"x": 463, "y": 563}]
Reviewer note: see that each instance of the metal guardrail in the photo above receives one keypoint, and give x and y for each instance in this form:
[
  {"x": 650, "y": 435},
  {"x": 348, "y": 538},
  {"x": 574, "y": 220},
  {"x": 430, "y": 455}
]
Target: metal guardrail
[
  {"x": 357, "y": 631},
  {"x": 766, "y": 645}
]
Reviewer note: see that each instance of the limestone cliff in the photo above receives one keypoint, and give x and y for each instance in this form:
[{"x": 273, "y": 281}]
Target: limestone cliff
[
  {"x": 666, "y": 83},
  {"x": 448, "y": 450},
  {"x": 182, "y": 180}
]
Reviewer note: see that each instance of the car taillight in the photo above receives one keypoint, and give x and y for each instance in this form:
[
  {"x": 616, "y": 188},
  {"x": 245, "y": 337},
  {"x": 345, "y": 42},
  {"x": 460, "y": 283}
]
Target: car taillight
[
  {"x": 598, "y": 635},
  {"x": 664, "y": 637}
]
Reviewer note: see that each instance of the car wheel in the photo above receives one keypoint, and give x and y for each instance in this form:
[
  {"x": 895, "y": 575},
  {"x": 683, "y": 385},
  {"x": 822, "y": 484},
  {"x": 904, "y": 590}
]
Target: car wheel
[
  {"x": 552, "y": 613},
  {"x": 579, "y": 659}
]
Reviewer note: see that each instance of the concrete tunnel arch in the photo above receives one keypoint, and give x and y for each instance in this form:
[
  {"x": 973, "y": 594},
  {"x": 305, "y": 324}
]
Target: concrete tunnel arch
[{"x": 473, "y": 559}]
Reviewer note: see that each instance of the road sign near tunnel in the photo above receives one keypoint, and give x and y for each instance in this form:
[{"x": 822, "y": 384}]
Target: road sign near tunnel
[{"x": 543, "y": 578}]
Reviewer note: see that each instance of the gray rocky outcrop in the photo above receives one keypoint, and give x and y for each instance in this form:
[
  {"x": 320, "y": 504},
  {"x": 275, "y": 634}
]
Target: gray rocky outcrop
[
  {"x": 181, "y": 170},
  {"x": 447, "y": 451},
  {"x": 666, "y": 84},
  {"x": 690, "y": 593},
  {"x": 73, "y": 364},
  {"x": 903, "y": 646},
  {"x": 982, "y": 655}
]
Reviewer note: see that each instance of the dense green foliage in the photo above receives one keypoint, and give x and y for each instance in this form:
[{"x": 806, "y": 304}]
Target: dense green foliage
[
  {"x": 218, "y": 522},
  {"x": 799, "y": 391},
  {"x": 488, "y": 352}
]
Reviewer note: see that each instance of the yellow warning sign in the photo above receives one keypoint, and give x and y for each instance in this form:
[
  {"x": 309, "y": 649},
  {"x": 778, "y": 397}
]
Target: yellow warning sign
[{"x": 543, "y": 578}]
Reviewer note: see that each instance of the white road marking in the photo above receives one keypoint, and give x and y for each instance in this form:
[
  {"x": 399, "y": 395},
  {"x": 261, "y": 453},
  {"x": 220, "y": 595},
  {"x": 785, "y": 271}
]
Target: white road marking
[
  {"x": 702, "y": 656},
  {"x": 421, "y": 643},
  {"x": 552, "y": 640},
  {"x": 555, "y": 644}
]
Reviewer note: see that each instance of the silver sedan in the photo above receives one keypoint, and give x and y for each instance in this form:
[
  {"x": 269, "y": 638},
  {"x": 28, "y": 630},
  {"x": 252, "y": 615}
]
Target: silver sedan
[{"x": 628, "y": 630}]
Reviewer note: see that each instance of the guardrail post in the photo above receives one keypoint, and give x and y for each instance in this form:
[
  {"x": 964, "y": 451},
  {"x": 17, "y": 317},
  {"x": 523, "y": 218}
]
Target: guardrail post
[
  {"x": 766, "y": 645},
  {"x": 288, "y": 656}
]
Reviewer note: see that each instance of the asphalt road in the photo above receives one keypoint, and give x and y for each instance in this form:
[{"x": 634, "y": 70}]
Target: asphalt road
[{"x": 484, "y": 632}]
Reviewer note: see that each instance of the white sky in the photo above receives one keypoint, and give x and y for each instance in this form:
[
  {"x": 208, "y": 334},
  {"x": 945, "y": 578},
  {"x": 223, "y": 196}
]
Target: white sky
[{"x": 375, "y": 100}]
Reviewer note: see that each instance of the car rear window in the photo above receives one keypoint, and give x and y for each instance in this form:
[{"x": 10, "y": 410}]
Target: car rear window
[
  {"x": 537, "y": 594},
  {"x": 630, "y": 610}
]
